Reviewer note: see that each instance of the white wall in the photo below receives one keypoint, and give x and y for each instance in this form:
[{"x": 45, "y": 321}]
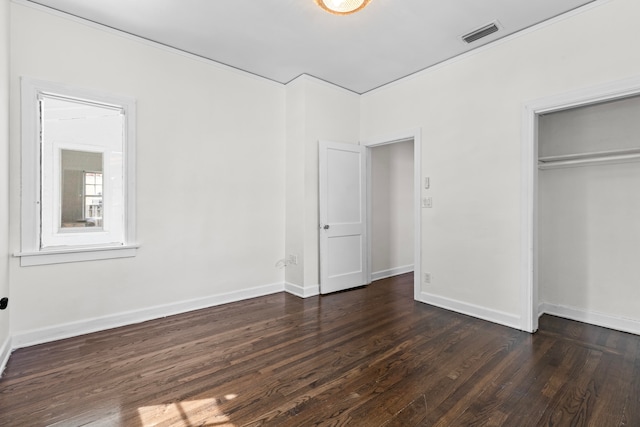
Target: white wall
[
  {"x": 593, "y": 128},
  {"x": 210, "y": 179},
  {"x": 392, "y": 209},
  {"x": 470, "y": 110},
  {"x": 589, "y": 239},
  {"x": 4, "y": 178},
  {"x": 295, "y": 185},
  {"x": 589, "y": 216},
  {"x": 315, "y": 111}
]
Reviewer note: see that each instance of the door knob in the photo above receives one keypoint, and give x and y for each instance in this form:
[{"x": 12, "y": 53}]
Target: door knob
[{"x": 326, "y": 226}]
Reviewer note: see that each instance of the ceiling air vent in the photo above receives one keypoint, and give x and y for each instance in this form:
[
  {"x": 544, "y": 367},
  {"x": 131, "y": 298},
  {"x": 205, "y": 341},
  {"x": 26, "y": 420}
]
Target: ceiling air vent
[{"x": 480, "y": 33}]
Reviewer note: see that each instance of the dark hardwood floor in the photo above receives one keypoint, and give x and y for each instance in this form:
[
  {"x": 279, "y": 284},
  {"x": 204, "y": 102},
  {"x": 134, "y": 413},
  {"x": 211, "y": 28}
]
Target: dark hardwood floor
[{"x": 367, "y": 357}]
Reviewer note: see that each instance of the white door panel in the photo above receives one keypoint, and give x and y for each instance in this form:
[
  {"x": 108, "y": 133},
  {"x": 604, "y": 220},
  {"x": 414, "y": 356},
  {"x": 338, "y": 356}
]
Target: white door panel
[
  {"x": 342, "y": 216},
  {"x": 344, "y": 255}
]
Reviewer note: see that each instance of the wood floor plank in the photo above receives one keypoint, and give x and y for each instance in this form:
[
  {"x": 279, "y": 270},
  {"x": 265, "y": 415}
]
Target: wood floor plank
[{"x": 367, "y": 357}]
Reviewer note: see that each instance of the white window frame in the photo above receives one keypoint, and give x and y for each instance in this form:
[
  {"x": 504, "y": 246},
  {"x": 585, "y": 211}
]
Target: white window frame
[{"x": 31, "y": 251}]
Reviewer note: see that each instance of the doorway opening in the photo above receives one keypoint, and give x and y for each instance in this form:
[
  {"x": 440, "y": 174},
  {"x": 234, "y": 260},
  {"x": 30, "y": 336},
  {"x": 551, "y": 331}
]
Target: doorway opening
[
  {"x": 393, "y": 207},
  {"x": 391, "y": 217}
]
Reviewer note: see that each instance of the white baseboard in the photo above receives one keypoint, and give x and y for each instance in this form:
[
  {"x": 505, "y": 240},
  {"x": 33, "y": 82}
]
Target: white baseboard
[
  {"x": 383, "y": 274},
  {"x": 5, "y": 352},
  {"x": 594, "y": 318},
  {"x": 58, "y": 332},
  {"x": 301, "y": 291},
  {"x": 495, "y": 316},
  {"x": 540, "y": 309}
]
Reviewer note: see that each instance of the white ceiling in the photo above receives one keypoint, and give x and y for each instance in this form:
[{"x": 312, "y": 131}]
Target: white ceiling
[{"x": 282, "y": 39}]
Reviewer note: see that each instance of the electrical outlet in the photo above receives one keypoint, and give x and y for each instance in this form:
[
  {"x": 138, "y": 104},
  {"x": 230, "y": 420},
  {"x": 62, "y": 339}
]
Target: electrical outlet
[
  {"x": 293, "y": 259},
  {"x": 427, "y": 277},
  {"x": 427, "y": 202}
]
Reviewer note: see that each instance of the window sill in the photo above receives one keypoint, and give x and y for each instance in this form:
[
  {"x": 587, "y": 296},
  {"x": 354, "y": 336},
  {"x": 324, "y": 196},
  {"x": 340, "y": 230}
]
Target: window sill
[{"x": 60, "y": 256}]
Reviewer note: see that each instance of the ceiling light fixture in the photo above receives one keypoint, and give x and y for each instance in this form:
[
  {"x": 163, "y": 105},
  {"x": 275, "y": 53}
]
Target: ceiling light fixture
[{"x": 342, "y": 7}]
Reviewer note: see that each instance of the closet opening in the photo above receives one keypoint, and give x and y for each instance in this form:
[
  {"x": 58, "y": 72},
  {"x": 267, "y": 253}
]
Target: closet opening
[{"x": 586, "y": 212}]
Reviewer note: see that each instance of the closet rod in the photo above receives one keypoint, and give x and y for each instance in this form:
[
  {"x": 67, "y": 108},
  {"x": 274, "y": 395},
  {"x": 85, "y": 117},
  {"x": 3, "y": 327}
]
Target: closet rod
[
  {"x": 586, "y": 161},
  {"x": 588, "y": 155}
]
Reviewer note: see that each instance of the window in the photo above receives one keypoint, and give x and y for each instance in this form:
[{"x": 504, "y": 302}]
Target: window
[
  {"x": 81, "y": 190},
  {"x": 77, "y": 175},
  {"x": 92, "y": 215}
]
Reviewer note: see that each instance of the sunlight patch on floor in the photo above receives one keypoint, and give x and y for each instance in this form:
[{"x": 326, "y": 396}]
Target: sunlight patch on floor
[{"x": 203, "y": 412}]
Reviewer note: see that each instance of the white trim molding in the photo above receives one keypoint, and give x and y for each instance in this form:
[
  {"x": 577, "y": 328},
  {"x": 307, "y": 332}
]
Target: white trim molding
[
  {"x": 592, "y": 317},
  {"x": 529, "y": 310},
  {"x": 302, "y": 291},
  {"x": 490, "y": 315},
  {"x": 5, "y": 352},
  {"x": 396, "y": 271},
  {"x": 75, "y": 255},
  {"x": 87, "y": 326},
  {"x": 328, "y": 85}
]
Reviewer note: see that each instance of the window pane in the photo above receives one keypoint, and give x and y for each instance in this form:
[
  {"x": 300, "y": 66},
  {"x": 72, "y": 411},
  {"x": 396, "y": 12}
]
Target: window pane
[{"x": 80, "y": 208}]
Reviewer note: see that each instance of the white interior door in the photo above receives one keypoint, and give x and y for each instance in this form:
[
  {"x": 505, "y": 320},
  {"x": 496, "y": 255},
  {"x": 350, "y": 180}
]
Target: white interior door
[{"x": 342, "y": 216}]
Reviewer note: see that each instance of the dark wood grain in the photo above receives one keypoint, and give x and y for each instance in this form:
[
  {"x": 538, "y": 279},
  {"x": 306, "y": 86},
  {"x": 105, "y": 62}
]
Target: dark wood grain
[{"x": 367, "y": 357}]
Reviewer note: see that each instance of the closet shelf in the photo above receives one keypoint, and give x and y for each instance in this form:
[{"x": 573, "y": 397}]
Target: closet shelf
[{"x": 586, "y": 159}]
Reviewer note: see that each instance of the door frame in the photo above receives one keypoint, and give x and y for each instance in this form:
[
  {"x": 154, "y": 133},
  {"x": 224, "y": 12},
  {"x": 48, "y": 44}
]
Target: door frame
[
  {"x": 401, "y": 136},
  {"x": 530, "y": 309}
]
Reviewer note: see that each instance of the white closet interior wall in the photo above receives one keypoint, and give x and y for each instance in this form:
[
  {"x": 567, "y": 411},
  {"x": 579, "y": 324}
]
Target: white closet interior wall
[{"x": 589, "y": 216}]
